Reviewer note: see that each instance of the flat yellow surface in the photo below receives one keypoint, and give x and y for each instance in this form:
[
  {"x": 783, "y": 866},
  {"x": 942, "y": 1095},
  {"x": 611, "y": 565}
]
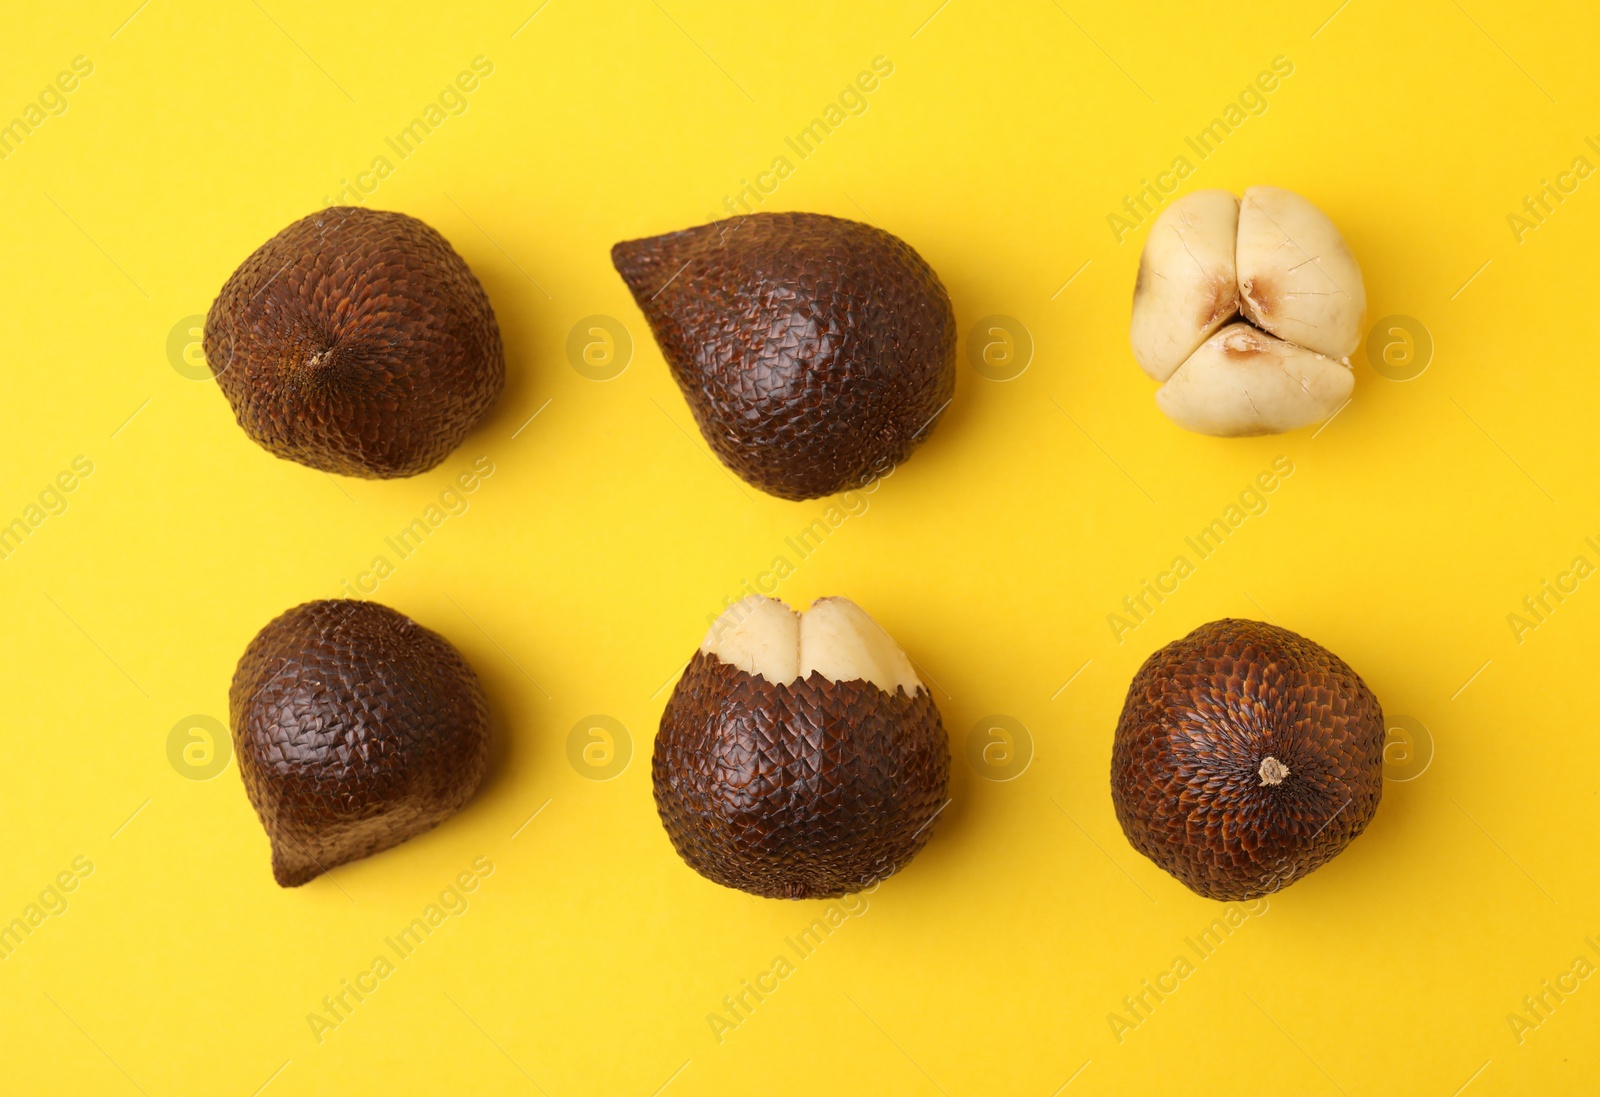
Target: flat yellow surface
[{"x": 1449, "y": 950}]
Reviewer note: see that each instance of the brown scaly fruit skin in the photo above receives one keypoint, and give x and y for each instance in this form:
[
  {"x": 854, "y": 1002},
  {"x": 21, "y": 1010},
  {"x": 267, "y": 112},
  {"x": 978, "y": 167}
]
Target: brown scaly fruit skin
[
  {"x": 356, "y": 341},
  {"x": 808, "y": 790},
  {"x": 355, "y": 729},
  {"x": 816, "y": 353},
  {"x": 1202, "y": 715}
]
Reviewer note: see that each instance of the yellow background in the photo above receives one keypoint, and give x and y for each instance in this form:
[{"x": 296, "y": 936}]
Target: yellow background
[{"x": 582, "y": 575}]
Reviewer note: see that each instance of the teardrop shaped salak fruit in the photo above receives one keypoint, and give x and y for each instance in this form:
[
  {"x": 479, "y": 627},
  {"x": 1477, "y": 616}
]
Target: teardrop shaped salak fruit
[
  {"x": 356, "y": 729},
  {"x": 356, "y": 341},
  {"x": 1246, "y": 757},
  {"x": 815, "y": 353},
  {"x": 800, "y": 757}
]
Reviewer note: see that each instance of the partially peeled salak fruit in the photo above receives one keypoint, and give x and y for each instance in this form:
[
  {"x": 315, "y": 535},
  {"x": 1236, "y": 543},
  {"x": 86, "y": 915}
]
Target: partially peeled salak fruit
[{"x": 800, "y": 755}]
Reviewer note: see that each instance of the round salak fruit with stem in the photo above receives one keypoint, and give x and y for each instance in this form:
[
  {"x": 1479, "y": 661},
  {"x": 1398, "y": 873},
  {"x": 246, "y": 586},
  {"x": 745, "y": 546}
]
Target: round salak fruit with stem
[
  {"x": 356, "y": 341},
  {"x": 800, "y": 756},
  {"x": 1246, "y": 757}
]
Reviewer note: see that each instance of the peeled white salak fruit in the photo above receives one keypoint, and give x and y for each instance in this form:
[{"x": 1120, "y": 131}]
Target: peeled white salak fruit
[{"x": 1247, "y": 310}]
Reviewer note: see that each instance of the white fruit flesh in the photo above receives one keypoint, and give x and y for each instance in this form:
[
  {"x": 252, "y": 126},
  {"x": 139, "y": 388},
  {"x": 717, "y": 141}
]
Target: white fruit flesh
[
  {"x": 1243, "y": 381},
  {"x": 839, "y": 641},
  {"x": 834, "y": 638},
  {"x": 759, "y": 636},
  {"x": 1297, "y": 278},
  {"x": 1248, "y": 311},
  {"x": 1187, "y": 285}
]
